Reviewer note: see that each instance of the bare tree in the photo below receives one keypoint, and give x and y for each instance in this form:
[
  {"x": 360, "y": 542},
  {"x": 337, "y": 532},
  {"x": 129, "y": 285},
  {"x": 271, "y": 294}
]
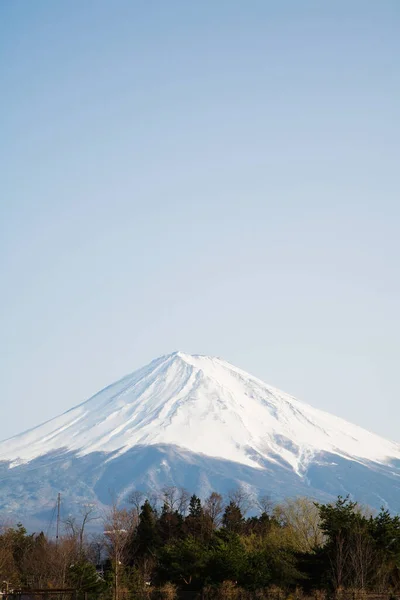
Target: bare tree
[
  {"x": 183, "y": 501},
  {"x": 339, "y": 561},
  {"x": 169, "y": 496},
  {"x": 214, "y": 508},
  {"x": 137, "y": 498},
  {"x": 118, "y": 525},
  {"x": 64, "y": 554},
  {"x": 265, "y": 504},
  {"x": 242, "y": 498},
  {"x": 96, "y": 548},
  {"x": 176, "y": 499},
  {"x": 154, "y": 501},
  {"x": 362, "y": 556},
  {"x": 75, "y": 527},
  {"x": 301, "y": 519},
  {"x": 8, "y": 570}
]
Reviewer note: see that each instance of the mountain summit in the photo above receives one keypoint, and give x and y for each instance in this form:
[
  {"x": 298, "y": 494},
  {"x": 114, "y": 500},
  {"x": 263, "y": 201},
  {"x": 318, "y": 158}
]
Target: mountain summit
[{"x": 200, "y": 421}]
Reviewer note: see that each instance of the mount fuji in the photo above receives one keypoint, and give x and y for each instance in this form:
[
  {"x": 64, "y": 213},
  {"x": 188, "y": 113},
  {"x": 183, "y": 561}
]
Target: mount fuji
[{"x": 197, "y": 422}]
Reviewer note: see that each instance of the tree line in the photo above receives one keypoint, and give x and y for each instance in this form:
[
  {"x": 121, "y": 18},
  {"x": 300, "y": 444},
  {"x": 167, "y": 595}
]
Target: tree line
[{"x": 216, "y": 548}]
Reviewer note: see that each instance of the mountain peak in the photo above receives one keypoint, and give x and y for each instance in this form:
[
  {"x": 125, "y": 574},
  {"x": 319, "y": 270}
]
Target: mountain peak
[
  {"x": 204, "y": 405},
  {"x": 195, "y": 359}
]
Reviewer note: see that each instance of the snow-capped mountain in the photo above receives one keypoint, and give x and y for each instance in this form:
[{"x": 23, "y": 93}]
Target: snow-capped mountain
[{"x": 200, "y": 422}]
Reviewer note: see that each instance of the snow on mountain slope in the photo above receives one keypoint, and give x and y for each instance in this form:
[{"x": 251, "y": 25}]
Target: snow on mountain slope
[{"x": 206, "y": 406}]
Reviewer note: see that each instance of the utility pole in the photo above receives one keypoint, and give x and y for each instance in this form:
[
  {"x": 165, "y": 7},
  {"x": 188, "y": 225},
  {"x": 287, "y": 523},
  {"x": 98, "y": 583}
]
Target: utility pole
[
  {"x": 58, "y": 517},
  {"x": 116, "y": 577}
]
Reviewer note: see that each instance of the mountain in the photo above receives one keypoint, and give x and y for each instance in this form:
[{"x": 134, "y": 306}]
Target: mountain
[{"x": 198, "y": 422}]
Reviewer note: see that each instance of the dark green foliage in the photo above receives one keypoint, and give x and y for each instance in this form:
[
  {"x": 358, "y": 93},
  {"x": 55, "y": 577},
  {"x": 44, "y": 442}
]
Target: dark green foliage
[
  {"x": 386, "y": 532},
  {"x": 84, "y": 577},
  {"x": 197, "y": 523},
  {"x": 170, "y": 525},
  {"x": 195, "y": 508},
  {"x": 338, "y": 518},
  {"x": 227, "y": 558},
  {"x": 257, "y": 572},
  {"x": 184, "y": 562},
  {"x": 146, "y": 539},
  {"x": 259, "y": 525},
  {"x": 232, "y": 519}
]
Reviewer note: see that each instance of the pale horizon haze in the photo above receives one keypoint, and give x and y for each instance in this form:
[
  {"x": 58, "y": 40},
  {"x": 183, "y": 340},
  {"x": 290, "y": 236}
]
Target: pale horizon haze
[{"x": 217, "y": 177}]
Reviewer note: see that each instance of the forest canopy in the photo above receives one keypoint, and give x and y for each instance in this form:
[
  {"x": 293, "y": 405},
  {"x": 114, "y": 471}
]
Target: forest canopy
[{"x": 162, "y": 546}]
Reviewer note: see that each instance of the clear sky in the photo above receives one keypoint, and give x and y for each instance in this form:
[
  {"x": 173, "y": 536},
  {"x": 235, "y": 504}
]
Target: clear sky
[{"x": 219, "y": 177}]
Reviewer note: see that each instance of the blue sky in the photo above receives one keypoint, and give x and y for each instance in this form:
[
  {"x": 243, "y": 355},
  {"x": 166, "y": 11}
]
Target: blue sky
[{"x": 216, "y": 177}]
